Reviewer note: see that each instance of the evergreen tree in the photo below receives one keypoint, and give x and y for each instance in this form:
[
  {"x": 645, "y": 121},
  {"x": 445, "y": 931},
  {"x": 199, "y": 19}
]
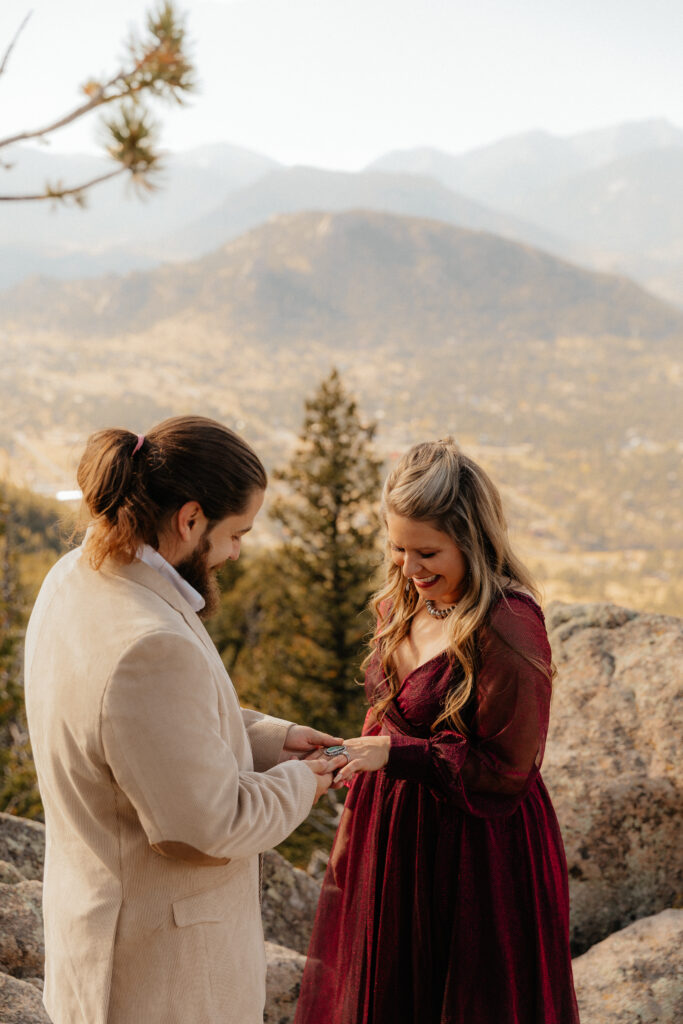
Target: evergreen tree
[{"x": 301, "y": 609}]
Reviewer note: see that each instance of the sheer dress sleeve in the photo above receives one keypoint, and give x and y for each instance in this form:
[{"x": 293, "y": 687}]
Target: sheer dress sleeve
[{"x": 488, "y": 772}]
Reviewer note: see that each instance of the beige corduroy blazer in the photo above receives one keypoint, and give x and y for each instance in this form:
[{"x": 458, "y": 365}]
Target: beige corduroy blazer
[{"x": 139, "y": 740}]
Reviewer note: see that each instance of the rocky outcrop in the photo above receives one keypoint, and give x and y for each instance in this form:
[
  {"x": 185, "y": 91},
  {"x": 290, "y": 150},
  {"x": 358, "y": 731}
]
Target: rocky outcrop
[
  {"x": 283, "y": 981},
  {"x": 290, "y": 898},
  {"x": 9, "y": 875},
  {"x": 611, "y": 763},
  {"x": 20, "y": 1002},
  {"x": 22, "y": 844},
  {"x": 22, "y": 951},
  {"x": 636, "y": 975}
]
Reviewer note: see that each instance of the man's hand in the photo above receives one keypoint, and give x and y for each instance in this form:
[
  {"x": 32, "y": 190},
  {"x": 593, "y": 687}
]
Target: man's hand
[
  {"x": 324, "y": 768},
  {"x": 366, "y": 753},
  {"x": 301, "y": 740}
]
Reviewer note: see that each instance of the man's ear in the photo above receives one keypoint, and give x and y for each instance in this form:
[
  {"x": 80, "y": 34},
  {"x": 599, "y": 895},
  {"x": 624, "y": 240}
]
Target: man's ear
[{"x": 190, "y": 521}]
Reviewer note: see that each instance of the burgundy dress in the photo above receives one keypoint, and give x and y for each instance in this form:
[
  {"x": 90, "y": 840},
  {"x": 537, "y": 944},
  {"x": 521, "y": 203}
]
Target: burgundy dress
[{"x": 445, "y": 899}]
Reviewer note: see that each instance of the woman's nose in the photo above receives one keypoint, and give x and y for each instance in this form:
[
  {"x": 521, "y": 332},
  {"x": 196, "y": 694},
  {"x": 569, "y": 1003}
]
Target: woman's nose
[{"x": 410, "y": 566}]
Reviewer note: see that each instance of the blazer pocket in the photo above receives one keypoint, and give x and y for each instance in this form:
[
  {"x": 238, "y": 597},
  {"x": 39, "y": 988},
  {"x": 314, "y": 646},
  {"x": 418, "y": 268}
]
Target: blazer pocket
[{"x": 209, "y": 906}]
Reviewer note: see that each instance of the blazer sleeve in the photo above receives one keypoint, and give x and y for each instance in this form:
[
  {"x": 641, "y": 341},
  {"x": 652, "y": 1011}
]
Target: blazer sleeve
[
  {"x": 266, "y": 736},
  {"x": 490, "y": 771},
  {"x": 161, "y": 734}
]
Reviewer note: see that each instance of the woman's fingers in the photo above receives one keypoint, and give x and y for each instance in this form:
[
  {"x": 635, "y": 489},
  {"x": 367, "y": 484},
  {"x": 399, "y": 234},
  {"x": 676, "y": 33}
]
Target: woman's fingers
[
  {"x": 366, "y": 754},
  {"x": 349, "y": 769}
]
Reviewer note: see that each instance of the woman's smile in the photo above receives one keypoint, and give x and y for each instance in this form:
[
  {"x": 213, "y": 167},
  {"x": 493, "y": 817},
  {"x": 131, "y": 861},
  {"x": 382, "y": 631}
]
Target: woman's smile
[{"x": 426, "y": 581}]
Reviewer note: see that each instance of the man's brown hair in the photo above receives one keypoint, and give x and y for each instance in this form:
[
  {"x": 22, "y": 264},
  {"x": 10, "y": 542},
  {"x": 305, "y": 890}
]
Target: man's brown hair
[{"x": 132, "y": 485}]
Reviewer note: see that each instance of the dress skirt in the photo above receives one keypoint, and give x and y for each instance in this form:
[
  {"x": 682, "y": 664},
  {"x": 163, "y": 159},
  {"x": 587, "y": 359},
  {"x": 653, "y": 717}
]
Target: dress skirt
[{"x": 445, "y": 900}]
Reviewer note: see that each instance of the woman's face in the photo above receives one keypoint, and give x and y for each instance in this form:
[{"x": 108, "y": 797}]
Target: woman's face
[{"x": 428, "y": 557}]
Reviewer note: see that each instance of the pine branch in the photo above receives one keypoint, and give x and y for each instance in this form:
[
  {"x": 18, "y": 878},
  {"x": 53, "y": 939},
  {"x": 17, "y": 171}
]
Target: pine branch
[
  {"x": 161, "y": 69},
  {"x": 99, "y": 99},
  {"x": 52, "y": 192},
  {"x": 158, "y": 67}
]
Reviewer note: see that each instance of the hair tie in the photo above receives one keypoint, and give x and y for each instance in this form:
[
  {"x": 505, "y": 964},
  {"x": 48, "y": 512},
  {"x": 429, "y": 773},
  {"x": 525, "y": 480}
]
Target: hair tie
[{"x": 139, "y": 444}]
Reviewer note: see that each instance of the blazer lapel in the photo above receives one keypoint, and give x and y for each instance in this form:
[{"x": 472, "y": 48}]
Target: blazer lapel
[{"x": 148, "y": 577}]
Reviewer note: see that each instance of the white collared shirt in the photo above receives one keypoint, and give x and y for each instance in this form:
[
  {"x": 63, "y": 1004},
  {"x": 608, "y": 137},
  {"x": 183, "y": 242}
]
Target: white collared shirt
[{"x": 151, "y": 557}]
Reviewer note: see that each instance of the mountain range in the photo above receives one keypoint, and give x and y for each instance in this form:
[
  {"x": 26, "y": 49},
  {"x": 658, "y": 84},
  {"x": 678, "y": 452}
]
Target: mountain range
[
  {"x": 299, "y": 189},
  {"x": 614, "y": 197},
  {"x": 611, "y": 200},
  {"x": 509, "y": 173}
]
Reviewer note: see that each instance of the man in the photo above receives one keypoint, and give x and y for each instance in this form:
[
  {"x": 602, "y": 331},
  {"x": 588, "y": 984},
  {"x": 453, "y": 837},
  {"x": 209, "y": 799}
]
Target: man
[{"x": 159, "y": 790}]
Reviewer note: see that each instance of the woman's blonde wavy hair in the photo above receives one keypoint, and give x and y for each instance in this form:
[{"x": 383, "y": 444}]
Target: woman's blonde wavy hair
[{"x": 436, "y": 483}]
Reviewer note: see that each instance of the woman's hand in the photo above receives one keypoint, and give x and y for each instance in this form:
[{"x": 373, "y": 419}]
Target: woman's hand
[
  {"x": 301, "y": 740},
  {"x": 366, "y": 753}
]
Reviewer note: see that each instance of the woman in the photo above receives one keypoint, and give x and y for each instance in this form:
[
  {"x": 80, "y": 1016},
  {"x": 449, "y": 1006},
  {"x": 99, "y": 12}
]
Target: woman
[{"x": 445, "y": 900}]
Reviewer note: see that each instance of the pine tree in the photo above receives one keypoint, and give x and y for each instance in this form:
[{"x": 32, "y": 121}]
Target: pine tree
[{"x": 304, "y": 606}]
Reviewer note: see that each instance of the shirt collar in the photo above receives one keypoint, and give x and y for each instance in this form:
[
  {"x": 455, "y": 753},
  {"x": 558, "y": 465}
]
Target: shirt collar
[{"x": 151, "y": 557}]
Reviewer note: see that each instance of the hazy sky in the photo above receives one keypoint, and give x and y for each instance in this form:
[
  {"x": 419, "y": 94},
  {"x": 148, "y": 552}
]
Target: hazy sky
[{"x": 338, "y": 82}]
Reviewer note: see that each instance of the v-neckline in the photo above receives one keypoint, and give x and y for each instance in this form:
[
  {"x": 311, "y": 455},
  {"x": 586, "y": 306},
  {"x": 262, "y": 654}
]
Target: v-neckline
[
  {"x": 422, "y": 664},
  {"x": 508, "y": 592}
]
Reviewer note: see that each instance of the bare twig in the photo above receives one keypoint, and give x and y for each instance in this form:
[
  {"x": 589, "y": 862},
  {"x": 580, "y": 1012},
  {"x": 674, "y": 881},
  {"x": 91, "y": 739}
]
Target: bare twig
[{"x": 11, "y": 46}]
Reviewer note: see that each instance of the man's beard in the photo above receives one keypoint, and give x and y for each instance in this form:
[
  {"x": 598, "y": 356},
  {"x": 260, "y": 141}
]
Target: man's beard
[{"x": 195, "y": 570}]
